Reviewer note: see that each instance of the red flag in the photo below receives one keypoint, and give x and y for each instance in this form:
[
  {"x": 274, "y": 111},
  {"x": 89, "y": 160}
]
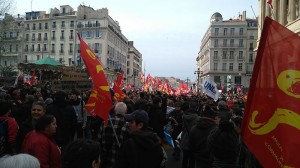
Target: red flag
[
  {"x": 32, "y": 79},
  {"x": 270, "y": 3},
  {"x": 148, "y": 78},
  {"x": 100, "y": 101},
  {"x": 119, "y": 94},
  {"x": 120, "y": 80},
  {"x": 271, "y": 126},
  {"x": 142, "y": 77}
]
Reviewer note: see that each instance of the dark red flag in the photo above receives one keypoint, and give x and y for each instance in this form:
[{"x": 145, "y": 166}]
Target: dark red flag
[
  {"x": 100, "y": 101},
  {"x": 271, "y": 126}
]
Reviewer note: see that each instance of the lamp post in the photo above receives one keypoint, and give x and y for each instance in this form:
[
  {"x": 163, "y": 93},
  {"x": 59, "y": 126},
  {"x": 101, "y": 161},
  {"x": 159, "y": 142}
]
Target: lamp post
[
  {"x": 187, "y": 82},
  {"x": 198, "y": 72}
]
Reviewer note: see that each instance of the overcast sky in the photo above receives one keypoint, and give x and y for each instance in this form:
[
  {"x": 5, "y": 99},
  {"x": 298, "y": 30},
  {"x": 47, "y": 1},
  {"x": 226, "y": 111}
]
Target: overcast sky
[{"x": 168, "y": 33}]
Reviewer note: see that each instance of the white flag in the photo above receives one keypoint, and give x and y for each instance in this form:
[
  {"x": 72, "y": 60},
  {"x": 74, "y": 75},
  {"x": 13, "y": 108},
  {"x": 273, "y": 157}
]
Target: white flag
[{"x": 210, "y": 88}]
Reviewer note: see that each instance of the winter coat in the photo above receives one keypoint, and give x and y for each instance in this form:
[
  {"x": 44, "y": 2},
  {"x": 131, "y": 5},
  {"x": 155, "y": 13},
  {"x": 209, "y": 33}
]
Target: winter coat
[
  {"x": 157, "y": 120},
  {"x": 198, "y": 140},
  {"x": 143, "y": 149},
  {"x": 25, "y": 128},
  {"x": 44, "y": 148},
  {"x": 189, "y": 119},
  {"x": 66, "y": 122},
  {"x": 12, "y": 131}
]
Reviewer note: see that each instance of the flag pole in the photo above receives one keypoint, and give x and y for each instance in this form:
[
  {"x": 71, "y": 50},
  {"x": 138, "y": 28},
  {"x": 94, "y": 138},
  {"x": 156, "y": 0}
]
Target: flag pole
[
  {"x": 255, "y": 17},
  {"x": 113, "y": 128}
]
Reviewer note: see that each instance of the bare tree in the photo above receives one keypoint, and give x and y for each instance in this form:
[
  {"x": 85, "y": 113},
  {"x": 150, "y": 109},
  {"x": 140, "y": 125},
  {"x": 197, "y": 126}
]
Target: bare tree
[{"x": 5, "y": 6}]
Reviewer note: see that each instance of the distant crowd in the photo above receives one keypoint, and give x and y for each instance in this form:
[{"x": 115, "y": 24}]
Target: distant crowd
[{"x": 43, "y": 128}]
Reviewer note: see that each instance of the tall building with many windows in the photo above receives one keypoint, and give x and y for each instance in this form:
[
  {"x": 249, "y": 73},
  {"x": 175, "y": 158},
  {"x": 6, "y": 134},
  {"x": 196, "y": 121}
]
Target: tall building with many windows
[
  {"x": 134, "y": 65},
  {"x": 54, "y": 34},
  {"x": 227, "y": 51},
  {"x": 11, "y": 34}
]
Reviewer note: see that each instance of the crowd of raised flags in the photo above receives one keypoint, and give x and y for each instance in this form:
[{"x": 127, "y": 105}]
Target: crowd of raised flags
[{"x": 271, "y": 122}]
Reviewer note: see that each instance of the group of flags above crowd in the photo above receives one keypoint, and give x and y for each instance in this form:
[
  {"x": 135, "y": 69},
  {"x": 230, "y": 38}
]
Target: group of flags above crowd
[{"x": 271, "y": 124}]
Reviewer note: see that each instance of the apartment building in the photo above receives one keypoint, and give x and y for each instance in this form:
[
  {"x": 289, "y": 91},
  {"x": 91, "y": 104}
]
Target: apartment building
[
  {"x": 134, "y": 65},
  {"x": 227, "y": 51},
  {"x": 11, "y": 29},
  {"x": 39, "y": 34}
]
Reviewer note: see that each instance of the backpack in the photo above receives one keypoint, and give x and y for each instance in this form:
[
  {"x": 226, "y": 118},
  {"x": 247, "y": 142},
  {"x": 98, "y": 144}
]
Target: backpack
[{"x": 3, "y": 138}]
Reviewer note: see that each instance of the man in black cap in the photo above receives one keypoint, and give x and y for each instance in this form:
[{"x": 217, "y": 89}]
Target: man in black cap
[{"x": 143, "y": 149}]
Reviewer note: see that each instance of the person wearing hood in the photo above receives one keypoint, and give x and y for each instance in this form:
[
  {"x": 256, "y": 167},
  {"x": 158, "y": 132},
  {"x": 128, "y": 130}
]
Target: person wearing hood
[
  {"x": 143, "y": 148},
  {"x": 198, "y": 138},
  {"x": 189, "y": 119},
  {"x": 81, "y": 114},
  {"x": 65, "y": 118}
]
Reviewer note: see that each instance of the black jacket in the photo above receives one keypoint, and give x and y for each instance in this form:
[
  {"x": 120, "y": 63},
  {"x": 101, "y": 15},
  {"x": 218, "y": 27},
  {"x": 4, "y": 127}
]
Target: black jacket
[
  {"x": 143, "y": 149},
  {"x": 157, "y": 120},
  {"x": 198, "y": 140},
  {"x": 66, "y": 122}
]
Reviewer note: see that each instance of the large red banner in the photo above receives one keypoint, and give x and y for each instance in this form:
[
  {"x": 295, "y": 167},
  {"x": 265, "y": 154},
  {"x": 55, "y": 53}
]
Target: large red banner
[
  {"x": 100, "y": 101},
  {"x": 271, "y": 126}
]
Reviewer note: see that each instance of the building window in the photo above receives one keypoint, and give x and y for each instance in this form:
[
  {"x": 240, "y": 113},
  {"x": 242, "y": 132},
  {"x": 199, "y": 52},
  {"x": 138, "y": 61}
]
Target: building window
[
  {"x": 33, "y": 37},
  {"x": 70, "y": 47},
  {"x": 251, "y": 57},
  {"x": 230, "y": 66},
  {"x": 225, "y": 43},
  {"x": 231, "y": 31},
  {"x": 46, "y": 25},
  {"x": 89, "y": 34},
  {"x": 53, "y": 48},
  {"x": 17, "y": 48},
  {"x": 61, "y": 48},
  {"x": 11, "y": 34},
  {"x": 216, "y": 43},
  {"x": 10, "y": 48},
  {"x": 62, "y": 34},
  {"x": 241, "y": 43},
  {"x": 224, "y": 65},
  {"x": 225, "y": 31},
  {"x": 33, "y": 26},
  {"x": 240, "y": 66},
  {"x": 215, "y": 66},
  {"x": 251, "y": 47},
  {"x": 241, "y": 31},
  {"x": 40, "y": 26},
  {"x": 72, "y": 24},
  {"x": 32, "y": 47},
  {"x": 63, "y": 25},
  {"x": 53, "y": 35},
  {"x": 98, "y": 34},
  {"x": 38, "y": 57},
  {"x": 231, "y": 54},
  {"x": 240, "y": 54},
  {"x": 45, "y": 47},
  {"x": 27, "y": 37},
  {"x": 238, "y": 80},
  {"x": 53, "y": 24},
  {"x": 216, "y": 31},
  {"x": 231, "y": 42},
  {"x": 39, "y": 47},
  {"x": 215, "y": 54},
  {"x": 224, "y": 55}
]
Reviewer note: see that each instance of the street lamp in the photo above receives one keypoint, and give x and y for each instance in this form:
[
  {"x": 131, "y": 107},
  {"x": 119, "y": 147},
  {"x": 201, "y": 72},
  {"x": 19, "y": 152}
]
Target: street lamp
[
  {"x": 198, "y": 72},
  {"x": 187, "y": 82}
]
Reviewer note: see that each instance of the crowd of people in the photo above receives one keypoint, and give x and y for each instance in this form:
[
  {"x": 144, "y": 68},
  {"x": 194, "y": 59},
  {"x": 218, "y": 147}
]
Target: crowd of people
[{"x": 51, "y": 129}]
